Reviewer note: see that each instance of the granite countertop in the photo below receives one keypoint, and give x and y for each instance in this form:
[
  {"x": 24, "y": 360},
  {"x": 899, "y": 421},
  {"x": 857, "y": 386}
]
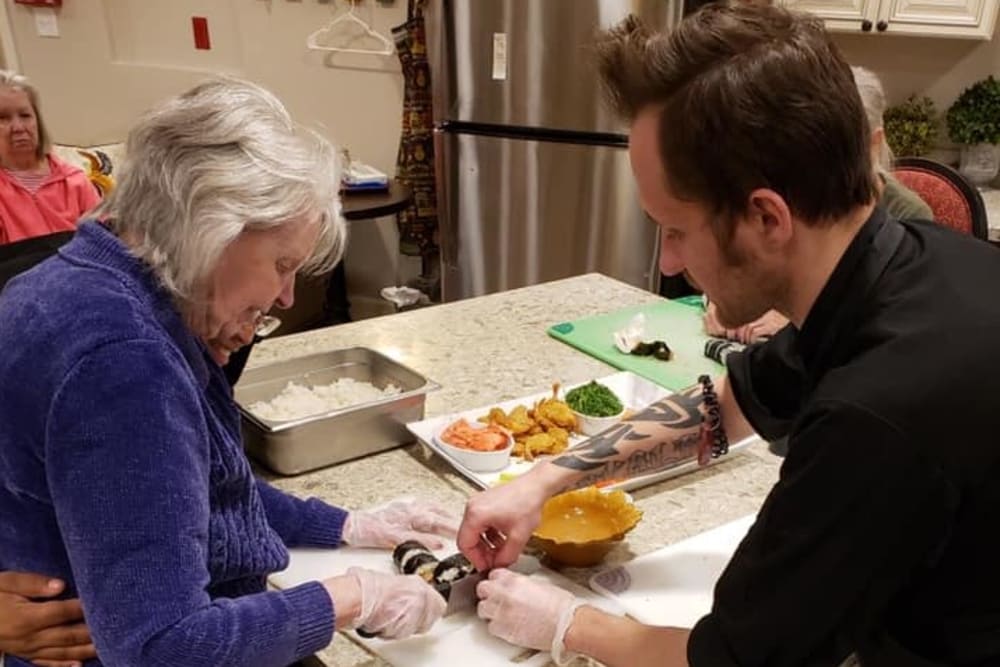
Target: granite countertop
[{"x": 491, "y": 349}]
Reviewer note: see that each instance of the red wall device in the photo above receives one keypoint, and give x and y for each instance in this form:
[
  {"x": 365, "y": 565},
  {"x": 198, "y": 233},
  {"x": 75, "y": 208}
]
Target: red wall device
[{"x": 199, "y": 24}]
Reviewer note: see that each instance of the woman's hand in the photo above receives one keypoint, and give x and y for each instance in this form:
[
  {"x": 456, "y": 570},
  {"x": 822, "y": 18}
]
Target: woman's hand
[
  {"x": 527, "y": 612},
  {"x": 51, "y": 634},
  {"x": 763, "y": 327},
  {"x": 712, "y": 325},
  {"x": 398, "y": 521},
  {"x": 392, "y": 606}
]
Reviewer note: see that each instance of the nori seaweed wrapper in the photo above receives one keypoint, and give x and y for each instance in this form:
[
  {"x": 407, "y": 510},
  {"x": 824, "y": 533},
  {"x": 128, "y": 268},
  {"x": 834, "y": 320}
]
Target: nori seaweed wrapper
[
  {"x": 452, "y": 568},
  {"x": 399, "y": 554},
  {"x": 412, "y": 557}
]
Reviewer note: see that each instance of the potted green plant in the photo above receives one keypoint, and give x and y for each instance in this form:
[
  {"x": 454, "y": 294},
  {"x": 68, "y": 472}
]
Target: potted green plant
[
  {"x": 974, "y": 122},
  {"x": 911, "y": 127}
]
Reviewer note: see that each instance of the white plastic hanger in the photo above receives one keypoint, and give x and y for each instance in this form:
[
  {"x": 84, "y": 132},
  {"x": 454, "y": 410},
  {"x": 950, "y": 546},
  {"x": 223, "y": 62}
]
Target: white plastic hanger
[{"x": 314, "y": 41}]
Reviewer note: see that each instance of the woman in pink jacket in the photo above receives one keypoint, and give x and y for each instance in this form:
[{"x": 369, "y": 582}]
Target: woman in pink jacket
[{"x": 39, "y": 193}]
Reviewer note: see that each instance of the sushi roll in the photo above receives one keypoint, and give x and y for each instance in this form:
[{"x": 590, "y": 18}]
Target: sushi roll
[
  {"x": 412, "y": 557},
  {"x": 451, "y": 569}
]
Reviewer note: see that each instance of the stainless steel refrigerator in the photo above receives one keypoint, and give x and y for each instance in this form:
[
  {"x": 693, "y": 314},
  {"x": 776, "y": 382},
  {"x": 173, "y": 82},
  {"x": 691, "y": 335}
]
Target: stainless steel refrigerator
[{"x": 533, "y": 177}]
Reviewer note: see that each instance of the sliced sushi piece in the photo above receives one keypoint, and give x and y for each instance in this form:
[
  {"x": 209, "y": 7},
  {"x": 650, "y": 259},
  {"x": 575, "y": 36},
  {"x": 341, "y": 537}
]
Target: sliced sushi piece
[
  {"x": 452, "y": 568},
  {"x": 412, "y": 557}
]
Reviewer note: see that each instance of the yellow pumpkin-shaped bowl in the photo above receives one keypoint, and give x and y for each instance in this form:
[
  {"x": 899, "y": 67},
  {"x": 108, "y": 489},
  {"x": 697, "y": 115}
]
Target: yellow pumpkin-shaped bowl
[{"x": 579, "y": 528}]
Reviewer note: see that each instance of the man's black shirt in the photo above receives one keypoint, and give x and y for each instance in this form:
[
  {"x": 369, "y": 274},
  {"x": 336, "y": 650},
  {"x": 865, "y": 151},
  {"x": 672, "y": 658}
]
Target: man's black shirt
[{"x": 882, "y": 535}]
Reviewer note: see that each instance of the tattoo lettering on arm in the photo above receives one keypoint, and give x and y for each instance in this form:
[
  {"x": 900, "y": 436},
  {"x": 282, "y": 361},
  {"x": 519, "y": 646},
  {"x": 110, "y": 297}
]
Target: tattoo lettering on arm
[
  {"x": 661, "y": 456},
  {"x": 602, "y": 457},
  {"x": 594, "y": 452}
]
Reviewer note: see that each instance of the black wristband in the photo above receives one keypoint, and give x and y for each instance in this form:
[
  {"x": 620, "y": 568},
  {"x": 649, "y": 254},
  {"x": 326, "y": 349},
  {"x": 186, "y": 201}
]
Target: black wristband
[{"x": 717, "y": 349}]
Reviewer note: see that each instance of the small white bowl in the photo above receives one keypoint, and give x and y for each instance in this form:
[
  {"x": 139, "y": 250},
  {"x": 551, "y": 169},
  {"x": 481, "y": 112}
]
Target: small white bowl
[
  {"x": 477, "y": 461},
  {"x": 593, "y": 425}
]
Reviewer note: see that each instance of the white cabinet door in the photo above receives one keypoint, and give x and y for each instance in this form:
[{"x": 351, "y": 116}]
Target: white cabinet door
[
  {"x": 841, "y": 15},
  {"x": 941, "y": 18},
  {"x": 973, "y": 19}
]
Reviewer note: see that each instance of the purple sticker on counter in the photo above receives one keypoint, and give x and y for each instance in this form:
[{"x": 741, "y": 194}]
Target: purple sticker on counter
[{"x": 615, "y": 581}]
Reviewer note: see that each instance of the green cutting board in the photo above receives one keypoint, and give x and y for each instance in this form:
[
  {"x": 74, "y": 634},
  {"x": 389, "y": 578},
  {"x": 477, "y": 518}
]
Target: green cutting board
[{"x": 677, "y": 324}]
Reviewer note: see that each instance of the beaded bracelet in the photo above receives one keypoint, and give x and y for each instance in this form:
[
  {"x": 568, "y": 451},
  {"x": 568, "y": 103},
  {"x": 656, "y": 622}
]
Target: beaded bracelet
[{"x": 714, "y": 442}]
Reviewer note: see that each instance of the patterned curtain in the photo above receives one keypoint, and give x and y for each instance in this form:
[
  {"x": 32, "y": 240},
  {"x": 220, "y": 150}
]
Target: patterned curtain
[{"x": 418, "y": 224}]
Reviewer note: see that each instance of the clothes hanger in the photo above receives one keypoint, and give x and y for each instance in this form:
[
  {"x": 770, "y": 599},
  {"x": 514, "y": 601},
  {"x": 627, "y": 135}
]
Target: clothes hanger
[{"x": 314, "y": 41}]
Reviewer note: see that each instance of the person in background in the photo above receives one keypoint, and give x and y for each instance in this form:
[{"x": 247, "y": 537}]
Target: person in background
[
  {"x": 120, "y": 448},
  {"x": 39, "y": 193},
  {"x": 898, "y": 201},
  {"x": 878, "y": 543}
]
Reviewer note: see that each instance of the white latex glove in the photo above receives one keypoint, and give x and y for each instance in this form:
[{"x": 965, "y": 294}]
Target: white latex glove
[
  {"x": 398, "y": 521},
  {"x": 394, "y": 606},
  {"x": 527, "y": 612}
]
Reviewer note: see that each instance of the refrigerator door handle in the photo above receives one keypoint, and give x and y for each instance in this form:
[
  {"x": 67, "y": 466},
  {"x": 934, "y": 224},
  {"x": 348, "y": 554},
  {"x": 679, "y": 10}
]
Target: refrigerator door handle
[{"x": 448, "y": 227}]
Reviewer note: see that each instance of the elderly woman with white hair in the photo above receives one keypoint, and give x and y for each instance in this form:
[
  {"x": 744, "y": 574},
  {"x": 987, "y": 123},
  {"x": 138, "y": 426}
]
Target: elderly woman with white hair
[
  {"x": 39, "y": 193},
  {"x": 898, "y": 200},
  {"x": 124, "y": 474}
]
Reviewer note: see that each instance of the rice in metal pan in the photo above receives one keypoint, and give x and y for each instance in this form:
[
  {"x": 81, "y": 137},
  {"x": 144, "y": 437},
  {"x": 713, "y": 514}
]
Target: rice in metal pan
[{"x": 296, "y": 401}]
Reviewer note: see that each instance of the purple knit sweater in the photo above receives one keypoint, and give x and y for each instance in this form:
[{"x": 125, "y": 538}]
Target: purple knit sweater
[{"x": 123, "y": 473}]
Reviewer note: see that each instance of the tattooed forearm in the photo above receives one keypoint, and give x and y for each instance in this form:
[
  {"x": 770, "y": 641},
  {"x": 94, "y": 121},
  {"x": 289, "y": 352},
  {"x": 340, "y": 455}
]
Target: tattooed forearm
[
  {"x": 681, "y": 410},
  {"x": 662, "y": 435}
]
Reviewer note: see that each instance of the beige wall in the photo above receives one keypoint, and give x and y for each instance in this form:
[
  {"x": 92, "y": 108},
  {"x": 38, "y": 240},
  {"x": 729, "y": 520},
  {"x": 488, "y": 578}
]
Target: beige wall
[
  {"x": 115, "y": 58},
  {"x": 938, "y": 68}
]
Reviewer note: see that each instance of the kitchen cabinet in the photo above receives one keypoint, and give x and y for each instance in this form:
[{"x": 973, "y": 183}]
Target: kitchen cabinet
[{"x": 971, "y": 19}]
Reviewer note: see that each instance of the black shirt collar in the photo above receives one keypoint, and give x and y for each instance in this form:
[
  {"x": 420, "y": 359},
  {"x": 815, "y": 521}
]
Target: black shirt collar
[{"x": 835, "y": 312}]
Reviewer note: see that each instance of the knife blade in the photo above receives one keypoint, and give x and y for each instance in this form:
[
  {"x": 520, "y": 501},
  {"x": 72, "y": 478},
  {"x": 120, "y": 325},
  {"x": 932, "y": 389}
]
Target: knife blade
[{"x": 461, "y": 594}]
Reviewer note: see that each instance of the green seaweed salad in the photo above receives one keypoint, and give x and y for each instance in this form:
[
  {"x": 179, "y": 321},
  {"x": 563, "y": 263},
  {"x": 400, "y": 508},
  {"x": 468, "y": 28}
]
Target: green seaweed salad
[{"x": 594, "y": 400}]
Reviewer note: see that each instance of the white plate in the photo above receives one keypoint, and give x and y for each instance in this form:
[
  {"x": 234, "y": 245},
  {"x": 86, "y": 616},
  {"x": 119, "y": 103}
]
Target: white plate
[{"x": 635, "y": 392}]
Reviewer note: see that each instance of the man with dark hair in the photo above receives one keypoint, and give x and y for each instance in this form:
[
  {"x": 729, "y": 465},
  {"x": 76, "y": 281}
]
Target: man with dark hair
[{"x": 750, "y": 149}]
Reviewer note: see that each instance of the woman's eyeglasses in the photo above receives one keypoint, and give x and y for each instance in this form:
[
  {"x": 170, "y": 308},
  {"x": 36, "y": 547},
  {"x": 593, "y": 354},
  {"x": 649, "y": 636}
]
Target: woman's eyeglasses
[{"x": 265, "y": 325}]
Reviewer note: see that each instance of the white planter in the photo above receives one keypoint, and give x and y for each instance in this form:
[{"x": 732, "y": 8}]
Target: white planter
[{"x": 980, "y": 163}]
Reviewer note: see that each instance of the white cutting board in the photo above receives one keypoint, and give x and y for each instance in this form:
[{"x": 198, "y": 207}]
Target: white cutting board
[
  {"x": 459, "y": 639},
  {"x": 674, "y": 585}
]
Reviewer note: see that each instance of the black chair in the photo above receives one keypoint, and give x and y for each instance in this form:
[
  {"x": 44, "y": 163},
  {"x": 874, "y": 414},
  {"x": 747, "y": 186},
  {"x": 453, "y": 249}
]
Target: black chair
[
  {"x": 19, "y": 256},
  {"x": 956, "y": 203}
]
